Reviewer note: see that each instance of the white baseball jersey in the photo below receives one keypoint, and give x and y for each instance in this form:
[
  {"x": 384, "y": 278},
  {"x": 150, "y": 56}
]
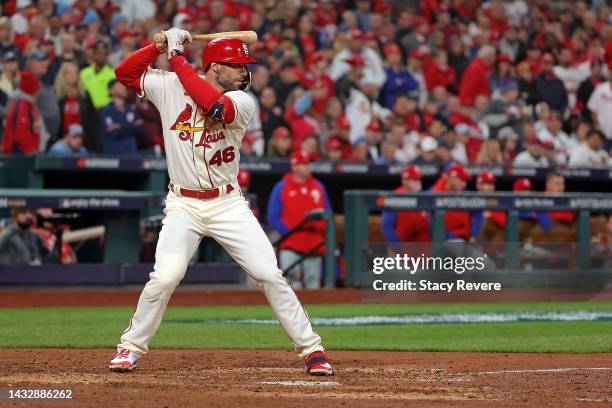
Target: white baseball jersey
[{"x": 202, "y": 153}]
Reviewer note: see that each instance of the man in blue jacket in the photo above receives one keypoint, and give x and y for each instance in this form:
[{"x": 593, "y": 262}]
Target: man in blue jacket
[{"x": 121, "y": 126}]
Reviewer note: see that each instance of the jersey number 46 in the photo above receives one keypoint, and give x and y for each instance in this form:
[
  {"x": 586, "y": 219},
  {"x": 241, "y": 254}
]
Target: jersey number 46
[{"x": 226, "y": 155}]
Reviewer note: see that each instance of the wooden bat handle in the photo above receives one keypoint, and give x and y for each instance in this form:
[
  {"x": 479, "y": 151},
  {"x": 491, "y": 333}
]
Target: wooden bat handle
[{"x": 248, "y": 37}]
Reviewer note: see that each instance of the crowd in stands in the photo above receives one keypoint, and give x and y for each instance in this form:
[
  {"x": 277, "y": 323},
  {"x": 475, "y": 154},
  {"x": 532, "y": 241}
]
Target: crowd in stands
[{"x": 384, "y": 81}]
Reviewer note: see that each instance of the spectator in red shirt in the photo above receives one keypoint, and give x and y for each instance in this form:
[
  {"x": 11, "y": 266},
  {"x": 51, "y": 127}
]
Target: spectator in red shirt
[
  {"x": 407, "y": 226},
  {"x": 342, "y": 137},
  {"x": 22, "y": 131},
  {"x": 475, "y": 79},
  {"x": 439, "y": 73},
  {"x": 292, "y": 198}
]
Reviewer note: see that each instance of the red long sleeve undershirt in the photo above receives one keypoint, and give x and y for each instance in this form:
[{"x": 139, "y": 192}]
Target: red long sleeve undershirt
[
  {"x": 200, "y": 90},
  {"x": 131, "y": 69}
]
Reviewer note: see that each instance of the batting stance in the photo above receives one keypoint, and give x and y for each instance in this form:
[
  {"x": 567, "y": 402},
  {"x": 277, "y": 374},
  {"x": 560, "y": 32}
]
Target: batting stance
[{"x": 204, "y": 120}]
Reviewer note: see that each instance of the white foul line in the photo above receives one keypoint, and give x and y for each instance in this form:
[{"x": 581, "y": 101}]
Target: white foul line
[
  {"x": 544, "y": 370},
  {"x": 300, "y": 383}
]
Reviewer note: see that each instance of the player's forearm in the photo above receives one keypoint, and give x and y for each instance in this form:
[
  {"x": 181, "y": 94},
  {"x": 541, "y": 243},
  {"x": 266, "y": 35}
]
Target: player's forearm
[{"x": 131, "y": 69}]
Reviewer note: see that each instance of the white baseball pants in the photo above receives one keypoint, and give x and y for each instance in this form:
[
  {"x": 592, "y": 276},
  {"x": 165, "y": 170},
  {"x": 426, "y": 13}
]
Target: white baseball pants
[{"x": 229, "y": 220}]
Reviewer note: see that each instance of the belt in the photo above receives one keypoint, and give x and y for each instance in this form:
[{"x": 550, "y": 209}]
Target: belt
[{"x": 202, "y": 194}]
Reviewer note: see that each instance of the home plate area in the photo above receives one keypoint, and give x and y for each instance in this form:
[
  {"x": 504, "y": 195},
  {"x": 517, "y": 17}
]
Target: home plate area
[{"x": 256, "y": 378}]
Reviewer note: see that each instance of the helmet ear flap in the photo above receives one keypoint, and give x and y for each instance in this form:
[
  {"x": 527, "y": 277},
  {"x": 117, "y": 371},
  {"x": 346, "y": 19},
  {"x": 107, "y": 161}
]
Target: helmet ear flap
[{"x": 246, "y": 84}]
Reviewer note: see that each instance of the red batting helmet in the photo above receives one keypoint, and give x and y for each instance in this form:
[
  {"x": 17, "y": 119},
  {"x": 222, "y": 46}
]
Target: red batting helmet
[{"x": 230, "y": 50}]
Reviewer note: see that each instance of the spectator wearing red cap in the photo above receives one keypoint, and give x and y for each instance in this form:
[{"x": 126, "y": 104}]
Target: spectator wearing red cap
[
  {"x": 550, "y": 88},
  {"x": 407, "y": 226},
  {"x": 439, "y": 73},
  {"x": 373, "y": 71},
  {"x": 501, "y": 76},
  {"x": 475, "y": 79},
  {"x": 374, "y": 137},
  {"x": 532, "y": 155},
  {"x": 359, "y": 96},
  {"x": 457, "y": 223},
  {"x": 292, "y": 198},
  {"x": 127, "y": 45},
  {"x": 324, "y": 87},
  {"x": 280, "y": 143},
  {"x": 342, "y": 137},
  {"x": 333, "y": 149},
  {"x": 399, "y": 81},
  {"x": 22, "y": 129}
]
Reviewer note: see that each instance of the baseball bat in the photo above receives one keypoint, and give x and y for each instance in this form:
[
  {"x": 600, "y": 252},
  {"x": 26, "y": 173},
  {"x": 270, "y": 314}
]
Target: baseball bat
[{"x": 248, "y": 37}]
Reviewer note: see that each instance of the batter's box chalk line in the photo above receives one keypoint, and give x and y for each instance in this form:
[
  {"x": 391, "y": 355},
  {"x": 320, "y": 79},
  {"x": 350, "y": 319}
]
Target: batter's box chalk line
[
  {"x": 303, "y": 383},
  {"x": 544, "y": 370}
]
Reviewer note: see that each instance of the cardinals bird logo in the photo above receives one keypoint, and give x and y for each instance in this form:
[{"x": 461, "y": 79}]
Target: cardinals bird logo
[{"x": 184, "y": 116}]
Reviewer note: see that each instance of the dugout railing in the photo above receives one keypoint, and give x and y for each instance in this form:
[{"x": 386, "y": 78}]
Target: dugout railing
[{"x": 359, "y": 203}]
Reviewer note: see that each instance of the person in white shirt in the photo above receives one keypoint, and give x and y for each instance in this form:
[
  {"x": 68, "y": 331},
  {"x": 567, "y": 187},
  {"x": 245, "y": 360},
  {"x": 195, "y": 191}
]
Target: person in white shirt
[
  {"x": 373, "y": 71},
  {"x": 600, "y": 105},
  {"x": 552, "y": 133},
  {"x": 591, "y": 153},
  {"x": 532, "y": 155}
]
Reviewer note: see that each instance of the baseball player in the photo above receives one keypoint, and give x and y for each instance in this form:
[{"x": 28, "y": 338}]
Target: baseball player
[{"x": 204, "y": 120}]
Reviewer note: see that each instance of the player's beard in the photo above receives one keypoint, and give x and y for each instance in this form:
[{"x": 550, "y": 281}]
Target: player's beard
[{"x": 227, "y": 84}]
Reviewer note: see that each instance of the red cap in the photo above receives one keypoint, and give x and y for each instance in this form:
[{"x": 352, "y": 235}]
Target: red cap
[
  {"x": 244, "y": 178},
  {"x": 355, "y": 59},
  {"x": 533, "y": 139},
  {"x": 547, "y": 144},
  {"x": 504, "y": 58},
  {"x": 299, "y": 157},
  {"x": 369, "y": 36},
  {"x": 374, "y": 126},
  {"x": 522, "y": 184},
  {"x": 29, "y": 83},
  {"x": 259, "y": 46},
  {"x": 486, "y": 177},
  {"x": 412, "y": 172},
  {"x": 392, "y": 49},
  {"x": 416, "y": 53},
  {"x": 548, "y": 57},
  {"x": 318, "y": 56},
  {"x": 333, "y": 144},
  {"x": 280, "y": 131},
  {"x": 343, "y": 123},
  {"x": 355, "y": 34},
  {"x": 127, "y": 33},
  {"x": 458, "y": 170}
]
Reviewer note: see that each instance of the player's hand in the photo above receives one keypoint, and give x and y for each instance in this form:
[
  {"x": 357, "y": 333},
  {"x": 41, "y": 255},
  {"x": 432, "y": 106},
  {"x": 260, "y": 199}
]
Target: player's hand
[{"x": 176, "y": 39}]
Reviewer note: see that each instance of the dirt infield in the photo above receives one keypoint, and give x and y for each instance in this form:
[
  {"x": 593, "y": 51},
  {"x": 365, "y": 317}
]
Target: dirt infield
[{"x": 224, "y": 378}]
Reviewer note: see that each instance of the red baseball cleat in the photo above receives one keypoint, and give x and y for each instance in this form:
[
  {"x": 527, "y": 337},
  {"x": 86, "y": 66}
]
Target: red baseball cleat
[
  {"x": 317, "y": 363},
  {"x": 124, "y": 360}
]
